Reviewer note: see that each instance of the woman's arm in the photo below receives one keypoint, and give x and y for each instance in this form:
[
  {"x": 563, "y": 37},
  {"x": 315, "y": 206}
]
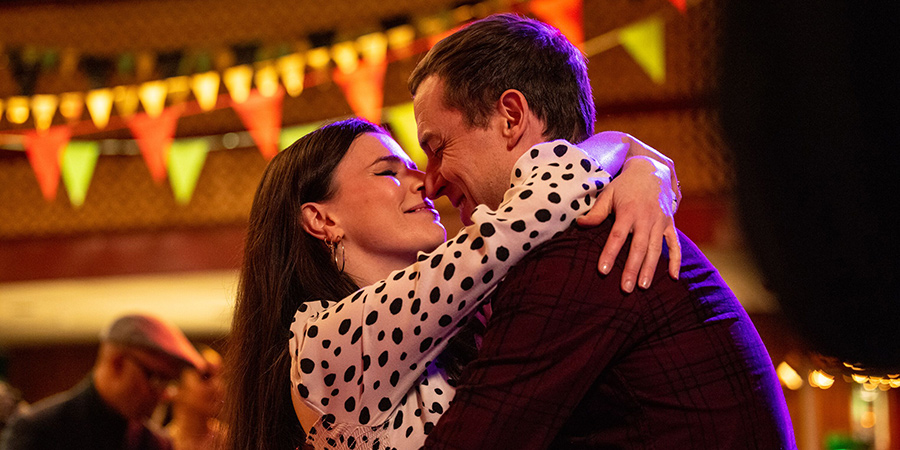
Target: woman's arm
[
  {"x": 644, "y": 197},
  {"x": 356, "y": 358}
]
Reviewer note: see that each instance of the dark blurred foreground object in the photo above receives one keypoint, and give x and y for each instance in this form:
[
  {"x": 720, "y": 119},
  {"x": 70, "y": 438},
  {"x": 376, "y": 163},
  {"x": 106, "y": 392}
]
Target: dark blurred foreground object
[{"x": 810, "y": 107}]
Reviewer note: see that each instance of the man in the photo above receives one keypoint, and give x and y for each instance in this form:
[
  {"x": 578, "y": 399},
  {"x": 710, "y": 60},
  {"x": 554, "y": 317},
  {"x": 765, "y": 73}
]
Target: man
[
  {"x": 569, "y": 360},
  {"x": 139, "y": 356}
]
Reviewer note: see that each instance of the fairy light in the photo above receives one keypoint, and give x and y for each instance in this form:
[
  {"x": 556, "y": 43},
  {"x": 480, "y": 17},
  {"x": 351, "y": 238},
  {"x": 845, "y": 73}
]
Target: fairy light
[
  {"x": 788, "y": 376},
  {"x": 820, "y": 379}
]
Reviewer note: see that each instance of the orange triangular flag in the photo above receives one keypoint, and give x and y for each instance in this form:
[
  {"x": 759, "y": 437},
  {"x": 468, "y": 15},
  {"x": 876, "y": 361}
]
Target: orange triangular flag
[
  {"x": 154, "y": 137},
  {"x": 565, "y": 15},
  {"x": 43, "y": 149},
  {"x": 262, "y": 117},
  {"x": 364, "y": 88}
]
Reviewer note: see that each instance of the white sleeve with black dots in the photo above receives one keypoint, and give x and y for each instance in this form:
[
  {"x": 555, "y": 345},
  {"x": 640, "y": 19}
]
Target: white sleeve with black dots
[{"x": 354, "y": 359}]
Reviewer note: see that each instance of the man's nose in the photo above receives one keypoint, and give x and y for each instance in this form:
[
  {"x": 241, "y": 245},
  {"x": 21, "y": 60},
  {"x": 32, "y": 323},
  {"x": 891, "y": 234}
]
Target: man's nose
[{"x": 435, "y": 184}]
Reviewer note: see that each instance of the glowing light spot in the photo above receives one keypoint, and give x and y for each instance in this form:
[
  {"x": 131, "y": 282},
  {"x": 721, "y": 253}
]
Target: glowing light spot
[
  {"x": 868, "y": 419},
  {"x": 820, "y": 379},
  {"x": 789, "y": 377}
]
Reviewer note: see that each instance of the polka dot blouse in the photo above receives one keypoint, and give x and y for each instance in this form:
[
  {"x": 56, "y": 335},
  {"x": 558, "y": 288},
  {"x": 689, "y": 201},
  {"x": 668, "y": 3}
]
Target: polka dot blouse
[{"x": 364, "y": 363}]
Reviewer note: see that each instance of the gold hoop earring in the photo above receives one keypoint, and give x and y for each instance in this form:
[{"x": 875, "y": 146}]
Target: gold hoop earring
[{"x": 333, "y": 248}]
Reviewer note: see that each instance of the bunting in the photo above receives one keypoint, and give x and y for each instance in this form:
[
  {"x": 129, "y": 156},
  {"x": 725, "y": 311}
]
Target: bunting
[
  {"x": 262, "y": 117},
  {"x": 680, "y": 5},
  {"x": 291, "y": 134},
  {"x": 206, "y": 89},
  {"x": 17, "y": 110},
  {"x": 364, "y": 88},
  {"x": 78, "y": 162},
  {"x": 403, "y": 127},
  {"x": 43, "y": 150},
  {"x": 154, "y": 137},
  {"x": 565, "y": 15},
  {"x": 186, "y": 158},
  {"x": 645, "y": 42},
  {"x": 99, "y": 104},
  {"x": 239, "y": 80},
  {"x": 43, "y": 107},
  {"x": 71, "y": 106},
  {"x": 292, "y": 68},
  {"x": 153, "y": 96},
  {"x": 256, "y": 79}
]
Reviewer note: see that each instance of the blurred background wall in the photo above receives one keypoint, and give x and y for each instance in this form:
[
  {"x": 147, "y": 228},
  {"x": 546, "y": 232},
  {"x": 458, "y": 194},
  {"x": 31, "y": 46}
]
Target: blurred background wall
[{"x": 70, "y": 264}]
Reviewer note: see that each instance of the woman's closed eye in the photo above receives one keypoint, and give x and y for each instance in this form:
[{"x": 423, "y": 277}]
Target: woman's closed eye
[{"x": 387, "y": 173}]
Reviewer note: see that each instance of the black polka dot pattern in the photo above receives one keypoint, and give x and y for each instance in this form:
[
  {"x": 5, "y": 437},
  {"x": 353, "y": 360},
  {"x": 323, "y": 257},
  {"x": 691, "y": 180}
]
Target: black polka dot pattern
[{"x": 364, "y": 363}]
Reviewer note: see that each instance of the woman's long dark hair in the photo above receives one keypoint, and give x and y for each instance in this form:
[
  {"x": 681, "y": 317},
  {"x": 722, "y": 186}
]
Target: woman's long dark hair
[{"x": 283, "y": 267}]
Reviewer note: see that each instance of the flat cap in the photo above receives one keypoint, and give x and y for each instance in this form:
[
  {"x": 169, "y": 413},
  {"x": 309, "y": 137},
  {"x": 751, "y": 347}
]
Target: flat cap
[{"x": 153, "y": 334}]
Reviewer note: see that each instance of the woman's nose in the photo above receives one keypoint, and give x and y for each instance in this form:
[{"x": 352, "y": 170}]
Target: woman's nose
[{"x": 419, "y": 180}]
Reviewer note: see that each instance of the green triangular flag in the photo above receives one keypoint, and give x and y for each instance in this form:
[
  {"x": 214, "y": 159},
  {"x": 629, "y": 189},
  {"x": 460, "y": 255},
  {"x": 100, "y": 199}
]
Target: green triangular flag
[
  {"x": 290, "y": 134},
  {"x": 78, "y": 161},
  {"x": 403, "y": 125},
  {"x": 186, "y": 158},
  {"x": 645, "y": 41}
]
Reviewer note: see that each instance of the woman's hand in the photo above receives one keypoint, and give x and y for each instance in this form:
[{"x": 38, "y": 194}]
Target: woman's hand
[{"x": 644, "y": 198}]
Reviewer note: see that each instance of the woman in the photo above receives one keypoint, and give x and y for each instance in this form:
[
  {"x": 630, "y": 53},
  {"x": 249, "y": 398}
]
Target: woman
[
  {"x": 195, "y": 406},
  {"x": 344, "y": 207}
]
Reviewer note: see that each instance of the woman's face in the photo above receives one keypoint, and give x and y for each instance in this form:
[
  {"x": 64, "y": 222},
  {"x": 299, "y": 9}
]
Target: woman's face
[{"x": 380, "y": 201}]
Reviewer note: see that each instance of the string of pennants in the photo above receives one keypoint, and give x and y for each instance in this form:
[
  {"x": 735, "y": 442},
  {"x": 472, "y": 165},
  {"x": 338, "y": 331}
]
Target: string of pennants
[{"x": 256, "y": 92}]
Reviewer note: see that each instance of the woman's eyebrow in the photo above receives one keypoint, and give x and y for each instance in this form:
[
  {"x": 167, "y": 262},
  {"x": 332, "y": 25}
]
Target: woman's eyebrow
[{"x": 388, "y": 158}]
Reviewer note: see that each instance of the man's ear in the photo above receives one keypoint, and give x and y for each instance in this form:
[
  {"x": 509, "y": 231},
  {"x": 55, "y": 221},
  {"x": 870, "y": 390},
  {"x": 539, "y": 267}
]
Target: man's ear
[
  {"x": 319, "y": 223},
  {"x": 513, "y": 108}
]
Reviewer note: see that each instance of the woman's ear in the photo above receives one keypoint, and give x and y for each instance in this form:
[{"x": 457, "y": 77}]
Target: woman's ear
[
  {"x": 513, "y": 108},
  {"x": 318, "y": 223}
]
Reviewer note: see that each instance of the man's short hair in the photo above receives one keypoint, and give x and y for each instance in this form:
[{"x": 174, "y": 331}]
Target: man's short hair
[{"x": 506, "y": 51}]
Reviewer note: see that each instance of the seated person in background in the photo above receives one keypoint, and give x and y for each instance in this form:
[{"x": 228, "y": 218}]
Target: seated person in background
[
  {"x": 139, "y": 356},
  {"x": 195, "y": 404}
]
